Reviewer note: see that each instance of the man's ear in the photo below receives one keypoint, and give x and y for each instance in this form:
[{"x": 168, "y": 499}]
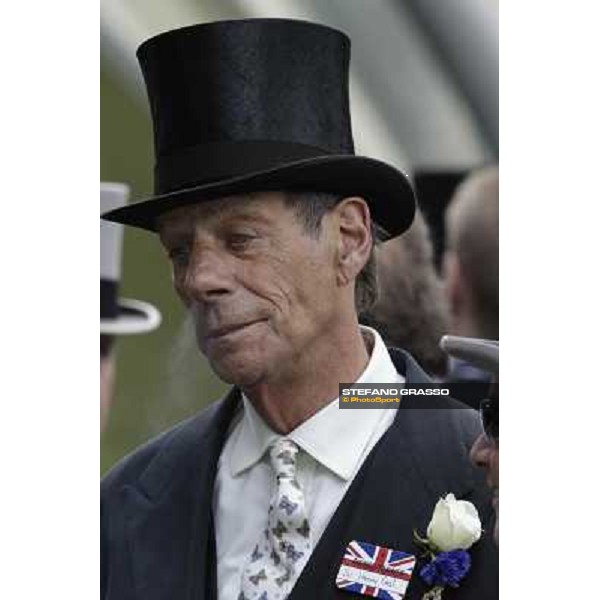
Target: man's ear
[{"x": 352, "y": 219}]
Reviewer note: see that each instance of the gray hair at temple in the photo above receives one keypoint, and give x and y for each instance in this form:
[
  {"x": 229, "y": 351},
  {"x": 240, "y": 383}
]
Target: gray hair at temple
[{"x": 411, "y": 311}]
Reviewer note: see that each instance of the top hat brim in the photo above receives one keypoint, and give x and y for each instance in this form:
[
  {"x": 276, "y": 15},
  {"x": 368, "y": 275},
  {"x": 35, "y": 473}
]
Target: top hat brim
[
  {"x": 133, "y": 317},
  {"x": 479, "y": 352},
  {"x": 386, "y": 189}
]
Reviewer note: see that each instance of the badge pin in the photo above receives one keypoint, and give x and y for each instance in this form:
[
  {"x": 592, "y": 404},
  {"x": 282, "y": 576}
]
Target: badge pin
[{"x": 375, "y": 571}]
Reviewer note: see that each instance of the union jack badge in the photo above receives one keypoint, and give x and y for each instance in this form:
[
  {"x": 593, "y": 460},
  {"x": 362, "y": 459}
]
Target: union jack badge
[{"x": 375, "y": 571}]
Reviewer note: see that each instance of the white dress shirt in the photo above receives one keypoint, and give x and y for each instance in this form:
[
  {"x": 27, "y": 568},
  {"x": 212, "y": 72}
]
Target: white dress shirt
[{"x": 333, "y": 445}]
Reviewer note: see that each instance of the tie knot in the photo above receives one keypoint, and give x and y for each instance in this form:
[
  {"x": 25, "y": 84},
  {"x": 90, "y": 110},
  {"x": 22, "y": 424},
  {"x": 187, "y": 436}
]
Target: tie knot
[{"x": 283, "y": 457}]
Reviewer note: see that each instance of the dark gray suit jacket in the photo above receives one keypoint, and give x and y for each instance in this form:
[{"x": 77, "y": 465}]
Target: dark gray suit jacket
[{"x": 157, "y": 537}]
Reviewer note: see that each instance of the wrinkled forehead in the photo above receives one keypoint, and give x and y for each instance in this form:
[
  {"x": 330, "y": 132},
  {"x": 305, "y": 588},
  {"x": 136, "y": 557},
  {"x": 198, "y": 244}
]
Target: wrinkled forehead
[{"x": 253, "y": 207}]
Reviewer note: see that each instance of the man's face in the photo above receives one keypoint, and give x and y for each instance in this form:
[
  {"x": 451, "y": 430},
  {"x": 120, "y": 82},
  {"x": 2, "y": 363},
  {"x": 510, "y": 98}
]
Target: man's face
[
  {"x": 485, "y": 453},
  {"x": 261, "y": 290}
]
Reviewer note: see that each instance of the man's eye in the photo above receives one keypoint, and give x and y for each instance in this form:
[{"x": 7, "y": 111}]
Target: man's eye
[
  {"x": 179, "y": 256},
  {"x": 240, "y": 241}
]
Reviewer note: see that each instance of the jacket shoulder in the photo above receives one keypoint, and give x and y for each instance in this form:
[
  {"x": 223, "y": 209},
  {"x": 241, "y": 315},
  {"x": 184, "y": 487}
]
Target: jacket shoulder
[
  {"x": 450, "y": 417},
  {"x": 132, "y": 466},
  {"x": 462, "y": 420}
]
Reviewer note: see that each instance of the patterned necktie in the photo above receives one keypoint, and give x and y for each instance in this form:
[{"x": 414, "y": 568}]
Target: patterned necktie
[{"x": 284, "y": 547}]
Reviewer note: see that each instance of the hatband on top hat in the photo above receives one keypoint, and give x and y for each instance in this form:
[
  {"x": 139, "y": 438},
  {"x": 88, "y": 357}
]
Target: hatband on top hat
[
  {"x": 257, "y": 105},
  {"x": 118, "y": 316}
]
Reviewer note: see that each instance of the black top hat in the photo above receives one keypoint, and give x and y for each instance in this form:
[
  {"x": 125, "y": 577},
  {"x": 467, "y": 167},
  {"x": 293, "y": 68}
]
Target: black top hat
[
  {"x": 256, "y": 105},
  {"x": 435, "y": 189}
]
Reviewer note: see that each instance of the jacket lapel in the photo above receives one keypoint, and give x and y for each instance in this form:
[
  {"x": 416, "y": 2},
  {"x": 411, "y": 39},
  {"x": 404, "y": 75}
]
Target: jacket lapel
[
  {"x": 393, "y": 493},
  {"x": 170, "y": 558}
]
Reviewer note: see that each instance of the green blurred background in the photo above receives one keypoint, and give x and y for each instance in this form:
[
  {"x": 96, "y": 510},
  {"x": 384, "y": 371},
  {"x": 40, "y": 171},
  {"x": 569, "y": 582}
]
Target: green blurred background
[{"x": 161, "y": 378}]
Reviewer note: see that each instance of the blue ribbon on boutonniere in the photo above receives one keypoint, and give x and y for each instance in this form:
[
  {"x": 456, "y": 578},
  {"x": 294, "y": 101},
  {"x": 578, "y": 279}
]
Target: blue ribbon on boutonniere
[{"x": 454, "y": 527}]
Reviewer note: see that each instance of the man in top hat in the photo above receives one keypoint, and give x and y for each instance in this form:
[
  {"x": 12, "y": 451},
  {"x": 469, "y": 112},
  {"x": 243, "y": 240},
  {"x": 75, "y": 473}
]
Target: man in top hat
[
  {"x": 485, "y": 452},
  {"x": 118, "y": 316},
  {"x": 267, "y": 216}
]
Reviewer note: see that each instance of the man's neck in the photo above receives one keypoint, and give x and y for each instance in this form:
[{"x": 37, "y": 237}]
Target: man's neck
[{"x": 287, "y": 403}]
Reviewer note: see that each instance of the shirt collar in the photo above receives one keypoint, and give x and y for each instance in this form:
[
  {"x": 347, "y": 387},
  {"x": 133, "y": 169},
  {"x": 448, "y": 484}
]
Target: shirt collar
[{"x": 334, "y": 437}]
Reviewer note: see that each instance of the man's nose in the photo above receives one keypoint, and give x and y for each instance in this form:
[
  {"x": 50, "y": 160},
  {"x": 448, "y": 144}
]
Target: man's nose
[
  {"x": 480, "y": 451},
  {"x": 207, "y": 277}
]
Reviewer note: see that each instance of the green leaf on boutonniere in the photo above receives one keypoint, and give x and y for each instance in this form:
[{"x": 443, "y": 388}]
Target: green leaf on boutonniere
[{"x": 423, "y": 542}]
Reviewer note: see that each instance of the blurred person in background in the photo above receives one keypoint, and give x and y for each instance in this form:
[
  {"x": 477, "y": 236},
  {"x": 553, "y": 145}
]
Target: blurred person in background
[
  {"x": 411, "y": 311},
  {"x": 485, "y": 452},
  {"x": 118, "y": 316},
  {"x": 435, "y": 189},
  {"x": 471, "y": 264},
  {"x": 267, "y": 215}
]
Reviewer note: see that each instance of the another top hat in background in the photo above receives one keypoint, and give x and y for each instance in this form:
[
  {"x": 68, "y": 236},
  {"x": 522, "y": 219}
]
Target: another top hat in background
[
  {"x": 482, "y": 353},
  {"x": 255, "y": 105},
  {"x": 434, "y": 189},
  {"x": 118, "y": 316}
]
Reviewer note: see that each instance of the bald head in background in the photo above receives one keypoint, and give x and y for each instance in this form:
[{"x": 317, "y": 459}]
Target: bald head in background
[{"x": 471, "y": 258}]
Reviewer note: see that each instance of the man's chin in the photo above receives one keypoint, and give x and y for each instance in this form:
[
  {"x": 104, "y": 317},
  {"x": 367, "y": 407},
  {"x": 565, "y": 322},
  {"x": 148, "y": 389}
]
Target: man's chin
[{"x": 236, "y": 371}]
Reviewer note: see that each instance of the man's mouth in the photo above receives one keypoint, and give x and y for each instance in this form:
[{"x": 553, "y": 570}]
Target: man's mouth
[{"x": 226, "y": 330}]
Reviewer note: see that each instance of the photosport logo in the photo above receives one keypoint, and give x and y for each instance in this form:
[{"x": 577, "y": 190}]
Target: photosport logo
[{"x": 385, "y": 395}]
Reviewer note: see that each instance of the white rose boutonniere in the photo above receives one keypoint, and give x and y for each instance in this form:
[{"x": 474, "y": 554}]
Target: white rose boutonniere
[
  {"x": 454, "y": 527},
  {"x": 455, "y": 524}
]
